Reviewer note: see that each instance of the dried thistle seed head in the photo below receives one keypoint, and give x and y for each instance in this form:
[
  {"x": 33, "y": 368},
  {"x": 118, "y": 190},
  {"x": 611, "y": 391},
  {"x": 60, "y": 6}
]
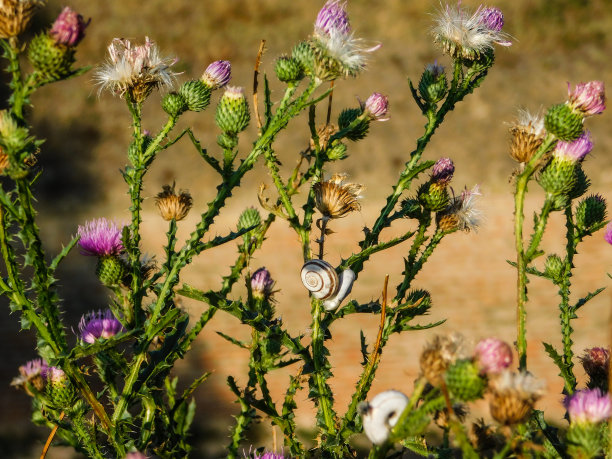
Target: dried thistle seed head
[
  {"x": 135, "y": 69},
  {"x": 461, "y": 212},
  {"x": 527, "y": 134},
  {"x": 513, "y": 396},
  {"x": 31, "y": 373},
  {"x": 15, "y": 16},
  {"x": 324, "y": 132},
  {"x": 173, "y": 206},
  {"x": 439, "y": 354},
  {"x": 334, "y": 198}
]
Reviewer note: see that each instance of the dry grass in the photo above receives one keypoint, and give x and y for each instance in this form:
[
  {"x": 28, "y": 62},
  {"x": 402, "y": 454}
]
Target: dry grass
[{"x": 472, "y": 285}]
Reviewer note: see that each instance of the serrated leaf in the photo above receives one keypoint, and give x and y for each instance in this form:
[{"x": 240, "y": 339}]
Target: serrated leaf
[
  {"x": 233, "y": 340},
  {"x": 581, "y": 302},
  {"x": 558, "y": 360}
]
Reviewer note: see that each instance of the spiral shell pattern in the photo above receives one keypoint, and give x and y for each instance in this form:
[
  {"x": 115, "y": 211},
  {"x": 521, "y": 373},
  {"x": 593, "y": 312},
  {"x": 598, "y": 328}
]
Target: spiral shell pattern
[{"x": 320, "y": 278}]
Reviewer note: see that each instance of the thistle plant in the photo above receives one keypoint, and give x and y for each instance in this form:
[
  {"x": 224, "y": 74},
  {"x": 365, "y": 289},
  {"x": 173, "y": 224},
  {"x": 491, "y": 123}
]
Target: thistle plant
[{"x": 130, "y": 347}]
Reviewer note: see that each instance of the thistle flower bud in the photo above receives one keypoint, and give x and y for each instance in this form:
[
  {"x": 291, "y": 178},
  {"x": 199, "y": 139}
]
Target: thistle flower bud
[
  {"x": 52, "y": 60},
  {"x": 196, "y": 94},
  {"x": 382, "y": 413},
  {"x": 69, "y": 28},
  {"x": 334, "y": 198},
  {"x": 333, "y": 19},
  {"x": 262, "y": 284},
  {"x": 337, "y": 151},
  {"x": 587, "y": 98},
  {"x": 110, "y": 270},
  {"x": 464, "y": 381},
  {"x": 433, "y": 85},
  {"x": 565, "y": 124},
  {"x": 59, "y": 389},
  {"x": 99, "y": 325},
  {"x": 13, "y": 137},
  {"x": 232, "y": 114},
  {"x": 558, "y": 177},
  {"x": 173, "y": 206},
  {"x": 492, "y": 18},
  {"x": 493, "y": 355},
  {"x": 360, "y": 129},
  {"x": 553, "y": 267},
  {"x": 514, "y": 396},
  {"x": 217, "y": 74},
  {"x": 376, "y": 107},
  {"x": 248, "y": 218},
  {"x": 304, "y": 54},
  {"x": 433, "y": 196},
  {"x": 15, "y": 16},
  {"x": 581, "y": 185},
  {"x": 590, "y": 212},
  {"x": 442, "y": 171},
  {"x": 174, "y": 104},
  {"x": 288, "y": 69},
  {"x": 596, "y": 364}
]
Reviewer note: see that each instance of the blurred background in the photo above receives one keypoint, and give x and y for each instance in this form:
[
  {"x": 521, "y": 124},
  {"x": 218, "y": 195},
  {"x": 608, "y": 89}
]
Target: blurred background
[{"x": 555, "y": 42}]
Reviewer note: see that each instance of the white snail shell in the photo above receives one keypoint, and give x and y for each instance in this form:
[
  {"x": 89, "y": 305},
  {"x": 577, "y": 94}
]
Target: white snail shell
[
  {"x": 320, "y": 278},
  {"x": 381, "y": 414}
]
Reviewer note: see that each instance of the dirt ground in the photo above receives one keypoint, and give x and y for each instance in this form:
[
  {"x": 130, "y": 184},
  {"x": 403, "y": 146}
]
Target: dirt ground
[{"x": 472, "y": 285}]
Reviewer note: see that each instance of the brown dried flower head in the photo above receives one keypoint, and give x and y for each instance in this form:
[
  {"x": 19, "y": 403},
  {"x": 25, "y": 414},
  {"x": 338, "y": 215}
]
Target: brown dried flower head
[
  {"x": 513, "y": 396},
  {"x": 4, "y": 161},
  {"x": 439, "y": 354},
  {"x": 334, "y": 198},
  {"x": 173, "y": 206},
  {"x": 15, "y": 15},
  {"x": 324, "y": 132},
  {"x": 527, "y": 135}
]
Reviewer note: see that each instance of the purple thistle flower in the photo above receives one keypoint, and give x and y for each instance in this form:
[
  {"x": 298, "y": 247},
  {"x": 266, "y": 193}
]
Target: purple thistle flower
[
  {"x": 493, "y": 355},
  {"x": 588, "y": 406},
  {"x": 265, "y": 455},
  {"x": 588, "y": 98},
  {"x": 333, "y": 19},
  {"x": 53, "y": 375},
  {"x": 33, "y": 368},
  {"x": 69, "y": 28},
  {"x": 608, "y": 233},
  {"x": 442, "y": 172},
  {"x": 217, "y": 74},
  {"x": 377, "y": 106},
  {"x": 135, "y": 455},
  {"x": 100, "y": 237},
  {"x": 95, "y": 325},
  {"x": 576, "y": 150},
  {"x": 492, "y": 18},
  {"x": 262, "y": 284}
]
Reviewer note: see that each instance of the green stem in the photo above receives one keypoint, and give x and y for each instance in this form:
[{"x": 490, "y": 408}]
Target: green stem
[
  {"x": 539, "y": 229},
  {"x": 567, "y": 312}
]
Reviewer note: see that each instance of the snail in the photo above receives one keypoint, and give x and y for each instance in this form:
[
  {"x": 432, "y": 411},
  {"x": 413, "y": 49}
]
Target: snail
[
  {"x": 381, "y": 414},
  {"x": 321, "y": 279}
]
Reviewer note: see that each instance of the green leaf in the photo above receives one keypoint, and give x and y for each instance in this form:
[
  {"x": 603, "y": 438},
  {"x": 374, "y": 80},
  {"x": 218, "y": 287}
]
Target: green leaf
[
  {"x": 233, "y": 340},
  {"x": 588, "y": 297},
  {"x": 558, "y": 360}
]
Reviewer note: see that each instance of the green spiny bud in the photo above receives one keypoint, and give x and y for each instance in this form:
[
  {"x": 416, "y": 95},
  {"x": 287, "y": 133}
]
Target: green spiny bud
[
  {"x": 563, "y": 123},
  {"x": 433, "y": 196},
  {"x": 304, "y": 54},
  {"x": 581, "y": 185},
  {"x": 558, "y": 177},
  {"x": 590, "y": 211},
  {"x": 12, "y": 136},
  {"x": 584, "y": 439},
  {"x": 196, "y": 95},
  {"x": 233, "y": 111},
  {"x": 288, "y": 69},
  {"x": 348, "y": 116},
  {"x": 174, "y": 104},
  {"x": 553, "y": 267},
  {"x": 52, "y": 60},
  {"x": 110, "y": 270},
  {"x": 433, "y": 85},
  {"x": 464, "y": 381},
  {"x": 59, "y": 389},
  {"x": 336, "y": 151},
  {"x": 248, "y": 218},
  {"x": 227, "y": 140}
]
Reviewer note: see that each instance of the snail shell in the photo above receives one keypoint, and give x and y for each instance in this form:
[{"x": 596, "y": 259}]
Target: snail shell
[
  {"x": 320, "y": 278},
  {"x": 381, "y": 414},
  {"x": 347, "y": 277}
]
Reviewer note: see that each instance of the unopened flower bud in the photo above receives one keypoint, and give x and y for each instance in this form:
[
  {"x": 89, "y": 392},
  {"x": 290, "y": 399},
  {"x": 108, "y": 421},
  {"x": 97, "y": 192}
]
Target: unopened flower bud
[
  {"x": 262, "y": 284},
  {"x": 581, "y": 185},
  {"x": 69, "y": 28},
  {"x": 288, "y": 69},
  {"x": 442, "y": 171},
  {"x": 433, "y": 196},
  {"x": 248, "y": 218},
  {"x": 173, "y": 206},
  {"x": 493, "y": 355},
  {"x": 99, "y": 325},
  {"x": 376, "y": 107},
  {"x": 337, "y": 151},
  {"x": 433, "y": 84},
  {"x": 596, "y": 364},
  {"x": 492, "y": 18},
  {"x": 553, "y": 267},
  {"x": 110, "y": 270},
  {"x": 217, "y": 74},
  {"x": 358, "y": 130},
  {"x": 590, "y": 211},
  {"x": 558, "y": 177},
  {"x": 587, "y": 98},
  {"x": 464, "y": 380},
  {"x": 196, "y": 94},
  {"x": 233, "y": 111},
  {"x": 563, "y": 122},
  {"x": 59, "y": 389},
  {"x": 304, "y": 54},
  {"x": 174, "y": 104}
]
